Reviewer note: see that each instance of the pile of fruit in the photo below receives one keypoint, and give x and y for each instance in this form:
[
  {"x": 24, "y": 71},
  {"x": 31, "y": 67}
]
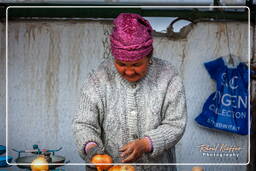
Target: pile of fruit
[{"x": 106, "y": 159}]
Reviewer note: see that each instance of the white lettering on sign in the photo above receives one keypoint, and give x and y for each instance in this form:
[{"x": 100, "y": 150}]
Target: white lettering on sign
[
  {"x": 217, "y": 96},
  {"x": 229, "y": 100},
  {"x": 227, "y": 113},
  {"x": 243, "y": 101},
  {"x": 222, "y": 125},
  {"x": 225, "y": 102},
  {"x": 232, "y": 83}
]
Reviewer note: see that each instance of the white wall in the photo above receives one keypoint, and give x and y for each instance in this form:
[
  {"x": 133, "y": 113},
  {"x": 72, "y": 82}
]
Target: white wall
[{"x": 49, "y": 60}]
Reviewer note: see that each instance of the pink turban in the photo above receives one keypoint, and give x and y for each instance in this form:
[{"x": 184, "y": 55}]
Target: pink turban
[{"x": 131, "y": 37}]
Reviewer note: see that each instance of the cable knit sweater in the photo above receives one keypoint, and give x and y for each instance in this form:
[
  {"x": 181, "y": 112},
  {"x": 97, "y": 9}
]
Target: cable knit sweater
[{"x": 114, "y": 111}]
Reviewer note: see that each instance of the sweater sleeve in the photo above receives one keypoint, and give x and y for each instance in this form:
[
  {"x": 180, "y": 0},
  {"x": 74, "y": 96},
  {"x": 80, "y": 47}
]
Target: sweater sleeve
[
  {"x": 86, "y": 122},
  {"x": 171, "y": 129}
]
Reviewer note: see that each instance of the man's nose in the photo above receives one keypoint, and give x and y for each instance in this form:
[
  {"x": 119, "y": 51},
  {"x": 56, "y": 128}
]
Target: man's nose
[{"x": 129, "y": 72}]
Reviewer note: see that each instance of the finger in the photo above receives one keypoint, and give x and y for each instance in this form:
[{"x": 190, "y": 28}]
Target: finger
[
  {"x": 123, "y": 148},
  {"x": 130, "y": 158},
  {"x": 127, "y": 152}
]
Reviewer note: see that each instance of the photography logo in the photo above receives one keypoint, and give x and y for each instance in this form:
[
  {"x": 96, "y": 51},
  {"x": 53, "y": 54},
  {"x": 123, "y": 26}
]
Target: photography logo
[{"x": 220, "y": 150}]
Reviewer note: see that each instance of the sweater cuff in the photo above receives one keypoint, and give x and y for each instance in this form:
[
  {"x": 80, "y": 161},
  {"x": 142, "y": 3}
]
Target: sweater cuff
[
  {"x": 158, "y": 142},
  {"x": 87, "y": 145},
  {"x": 150, "y": 144}
]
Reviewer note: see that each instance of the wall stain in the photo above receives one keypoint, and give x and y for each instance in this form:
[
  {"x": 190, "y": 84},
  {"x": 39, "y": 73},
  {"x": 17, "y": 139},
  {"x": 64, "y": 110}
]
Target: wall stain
[
  {"x": 2, "y": 43},
  {"x": 183, "y": 58},
  {"x": 221, "y": 43},
  {"x": 52, "y": 84},
  {"x": 2, "y": 68},
  {"x": 75, "y": 54},
  {"x": 240, "y": 37},
  {"x": 17, "y": 34},
  {"x": 31, "y": 32},
  {"x": 31, "y": 57},
  {"x": 28, "y": 64},
  {"x": 221, "y": 31},
  {"x": 209, "y": 32}
]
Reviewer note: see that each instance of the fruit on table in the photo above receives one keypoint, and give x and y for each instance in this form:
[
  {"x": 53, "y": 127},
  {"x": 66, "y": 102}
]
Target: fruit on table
[
  {"x": 39, "y": 164},
  {"x": 102, "y": 158},
  {"x": 122, "y": 168},
  {"x": 197, "y": 168}
]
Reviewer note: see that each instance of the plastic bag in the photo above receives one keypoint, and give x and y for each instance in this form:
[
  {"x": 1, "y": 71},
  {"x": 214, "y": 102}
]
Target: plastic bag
[{"x": 227, "y": 108}]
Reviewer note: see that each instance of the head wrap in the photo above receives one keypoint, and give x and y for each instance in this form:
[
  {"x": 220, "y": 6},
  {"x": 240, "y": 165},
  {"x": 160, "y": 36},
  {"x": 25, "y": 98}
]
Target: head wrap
[{"x": 131, "y": 37}]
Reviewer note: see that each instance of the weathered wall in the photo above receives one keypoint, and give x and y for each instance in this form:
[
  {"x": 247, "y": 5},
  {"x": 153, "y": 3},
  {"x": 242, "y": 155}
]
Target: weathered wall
[
  {"x": 2, "y": 84},
  {"x": 48, "y": 62}
]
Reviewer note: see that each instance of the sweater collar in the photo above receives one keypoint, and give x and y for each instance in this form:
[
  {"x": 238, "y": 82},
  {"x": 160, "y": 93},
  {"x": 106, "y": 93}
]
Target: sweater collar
[{"x": 136, "y": 84}]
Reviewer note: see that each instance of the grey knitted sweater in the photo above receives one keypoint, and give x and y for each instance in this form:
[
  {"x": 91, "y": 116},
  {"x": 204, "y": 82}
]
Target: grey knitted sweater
[{"x": 114, "y": 111}]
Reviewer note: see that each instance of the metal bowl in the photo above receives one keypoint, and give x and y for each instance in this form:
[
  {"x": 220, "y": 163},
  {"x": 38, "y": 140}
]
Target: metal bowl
[
  {"x": 2, "y": 149},
  {"x": 28, "y": 159}
]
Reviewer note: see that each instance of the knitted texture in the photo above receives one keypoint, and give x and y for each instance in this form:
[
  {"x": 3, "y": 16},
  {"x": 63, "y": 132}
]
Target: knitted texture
[
  {"x": 131, "y": 37},
  {"x": 114, "y": 111}
]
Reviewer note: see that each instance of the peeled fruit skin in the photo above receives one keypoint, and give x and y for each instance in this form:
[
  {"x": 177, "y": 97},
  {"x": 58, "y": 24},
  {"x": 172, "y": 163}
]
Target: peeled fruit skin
[
  {"x": 102, "y": 158},
  {"x": 122, "y": 168},
  {"x": 39, "y": 160}
]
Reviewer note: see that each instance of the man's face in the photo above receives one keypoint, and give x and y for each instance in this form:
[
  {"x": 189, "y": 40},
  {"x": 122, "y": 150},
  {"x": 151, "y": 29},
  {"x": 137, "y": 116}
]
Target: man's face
[{"x": 132, "y": 71}]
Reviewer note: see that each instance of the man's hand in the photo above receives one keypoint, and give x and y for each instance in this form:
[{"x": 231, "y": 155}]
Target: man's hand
[{"x": 134, "y": 150}]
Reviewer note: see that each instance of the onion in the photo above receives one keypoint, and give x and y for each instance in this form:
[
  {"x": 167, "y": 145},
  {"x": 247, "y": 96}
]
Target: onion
[
  {"x": 39, "y": 164},
  {"x": 122, "y": 168},
  {"x": 104, "y": 158}
]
